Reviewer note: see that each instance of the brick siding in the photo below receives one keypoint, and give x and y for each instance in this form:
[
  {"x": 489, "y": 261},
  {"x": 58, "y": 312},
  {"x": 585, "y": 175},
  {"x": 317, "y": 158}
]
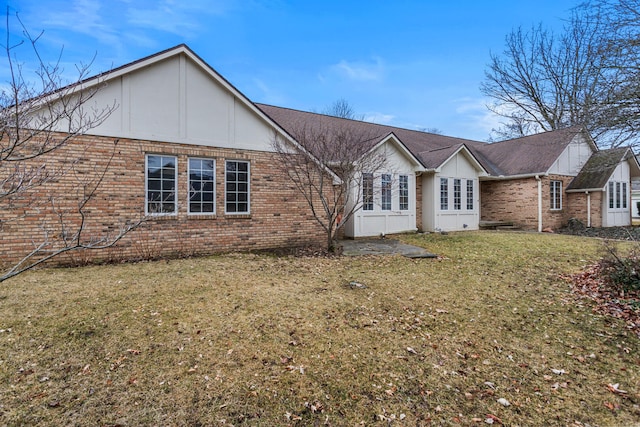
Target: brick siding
[
  {"x": 516, "y": 200},
  {"x": 279, "y": 216}
]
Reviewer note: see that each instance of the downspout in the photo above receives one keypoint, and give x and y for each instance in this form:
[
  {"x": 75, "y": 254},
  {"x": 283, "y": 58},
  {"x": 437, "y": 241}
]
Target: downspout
[
  {"x": 588, "y": 209},
  {"x": 539, "y": 203}
]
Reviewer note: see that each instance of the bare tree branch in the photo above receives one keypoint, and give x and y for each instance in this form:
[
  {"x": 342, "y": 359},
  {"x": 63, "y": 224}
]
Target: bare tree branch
[
  {"x": 39, "y": 117},
  {"x": 327, "y": 166}
]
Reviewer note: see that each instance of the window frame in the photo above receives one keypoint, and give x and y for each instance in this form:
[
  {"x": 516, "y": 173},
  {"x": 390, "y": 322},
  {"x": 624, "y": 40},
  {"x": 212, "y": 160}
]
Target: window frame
[
  {"x": 367, "y": 192},
  {"x": 147, "y": 202},
  {"x": 555, "y": 195},
  {"x": 470, "y": 195},
  {"x": 386, "y": 194},
  {"x": 444, "y": 194},
  {"x": 189, "y": 181},
  {"x": 403, "y": 192},
  {"x": 457, "y": 194},
  {"x": 226, "y": 187}
]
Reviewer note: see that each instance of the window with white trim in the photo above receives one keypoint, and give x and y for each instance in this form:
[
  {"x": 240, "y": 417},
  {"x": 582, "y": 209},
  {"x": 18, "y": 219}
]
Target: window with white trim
[
  {"x": 237, "y": 187},
  {"x": 367, "y": 191},
  {"x": 457, "y": 194},
  {"x": 470, "y": 195},
  {"x": 444, "y": 194},
  {"x": 161, "y": 183},
  {"x": 403, "y": 196},
  {"x": 618, "y": 198},
  {"x": 556, "y": 195},
  {"x": 202, "y": 193},
  {"x": 386, "y": 192},
  {"x": 612, "y": 195}
]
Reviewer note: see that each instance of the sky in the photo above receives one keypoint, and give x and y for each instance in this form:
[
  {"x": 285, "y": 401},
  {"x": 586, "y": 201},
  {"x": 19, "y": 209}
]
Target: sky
[{"x": 406, "y": 63}]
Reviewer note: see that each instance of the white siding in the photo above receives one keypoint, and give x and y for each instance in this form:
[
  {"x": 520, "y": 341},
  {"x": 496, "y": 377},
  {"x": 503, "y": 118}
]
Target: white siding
[
  {"x": 618, "y": 217},
  {"x": 377, "y": 221},
  {"x": 573, "y": 158},
  {"x": 436, "y": 219},
  {"x": 176, "y": 100}
]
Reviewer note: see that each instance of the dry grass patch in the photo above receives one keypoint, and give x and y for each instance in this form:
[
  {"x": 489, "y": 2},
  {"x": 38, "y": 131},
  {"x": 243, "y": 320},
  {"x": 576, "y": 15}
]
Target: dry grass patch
[{"x": 262, "y": 340}]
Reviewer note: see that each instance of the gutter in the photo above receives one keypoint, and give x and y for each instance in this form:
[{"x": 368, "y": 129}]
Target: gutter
[{"x": 521, "y": 176}]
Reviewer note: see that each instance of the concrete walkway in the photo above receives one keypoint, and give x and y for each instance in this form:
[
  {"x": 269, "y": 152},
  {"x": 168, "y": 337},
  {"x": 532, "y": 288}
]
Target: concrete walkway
[{"x": 383, "y": 247}]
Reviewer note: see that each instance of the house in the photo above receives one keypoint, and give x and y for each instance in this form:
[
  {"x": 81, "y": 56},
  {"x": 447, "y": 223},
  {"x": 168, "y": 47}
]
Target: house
[{"x": 189, "y": 151}]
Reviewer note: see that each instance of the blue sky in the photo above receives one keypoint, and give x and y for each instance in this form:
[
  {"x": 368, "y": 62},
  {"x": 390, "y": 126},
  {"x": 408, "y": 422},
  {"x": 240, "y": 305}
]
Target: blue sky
[{"x": 413, "y": 64}]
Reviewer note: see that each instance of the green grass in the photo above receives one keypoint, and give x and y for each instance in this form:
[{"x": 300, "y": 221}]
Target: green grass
[{"x": 246, "y": 339}]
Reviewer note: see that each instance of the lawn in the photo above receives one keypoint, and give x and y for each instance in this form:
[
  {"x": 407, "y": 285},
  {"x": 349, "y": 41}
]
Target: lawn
[{"x": 488, "y": 333}]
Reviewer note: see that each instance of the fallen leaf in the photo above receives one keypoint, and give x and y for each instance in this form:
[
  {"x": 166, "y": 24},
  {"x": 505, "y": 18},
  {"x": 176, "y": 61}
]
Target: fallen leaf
[
  {"x": 504, "y": 402},
  {"x": 558, "y": 371},
  {"x": 614, "y": 388}
]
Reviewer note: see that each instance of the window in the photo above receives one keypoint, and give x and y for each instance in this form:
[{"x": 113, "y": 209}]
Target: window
[
  {"x": 457, "y": 194},
  {"x": 618, "y": 198},
  {"x": 386, "y": 192},
  {"x": 202, "y": 185},
  {"x": 367, "y": 191},
  {"x": 237, "y": 187},
  {"x": 556, "y": 195},
  {"x": 161, "y": 185},
  {"x": 444, "y": 194},
  {"x": 612, "y": 195},
  {"x": 404, "y": 192},
  {"x": 469, "y": 195}
]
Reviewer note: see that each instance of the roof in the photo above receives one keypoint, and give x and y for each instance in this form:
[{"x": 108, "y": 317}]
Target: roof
[
  {"x": 529, "y": 155},
  {"x": 599, "y": 168},
  {"x": 429, "y": 149}
]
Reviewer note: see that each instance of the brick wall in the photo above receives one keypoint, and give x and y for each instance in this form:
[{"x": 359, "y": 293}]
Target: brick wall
[
  {"x": 577, "y": 208},
  {"x": 516, "y": 200},
  {"x": 279, "y": 216}
]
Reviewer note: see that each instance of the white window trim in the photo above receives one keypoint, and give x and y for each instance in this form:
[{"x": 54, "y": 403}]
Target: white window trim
[
  {"x": 248, "y": 212},
  {"x": 551, "y": 195},
  {"x": 618, "y": 195},
  {"x": 146, "y": 186},
  {"x": 189, "y": 183},
  {"x": 405, "y": 178}
]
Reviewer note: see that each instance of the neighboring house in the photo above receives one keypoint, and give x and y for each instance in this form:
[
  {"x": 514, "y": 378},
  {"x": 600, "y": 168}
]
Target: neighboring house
[{"x": 196, "y": 156}]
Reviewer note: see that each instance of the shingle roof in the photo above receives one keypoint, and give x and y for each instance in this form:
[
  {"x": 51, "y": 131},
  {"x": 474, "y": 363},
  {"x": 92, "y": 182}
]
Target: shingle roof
[
  {"x": 528, "y": 155},
  {"x": 598, "y": 169},
  {"x": 426, "y": 147}
]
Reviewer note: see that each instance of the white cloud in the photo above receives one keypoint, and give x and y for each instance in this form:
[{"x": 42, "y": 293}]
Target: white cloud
[
  {"x": 269, "y": 95},
  {"x": 379, "y": 118},
  {"x": 360, "y": 71},
  {"x": 477, "y": 116}
]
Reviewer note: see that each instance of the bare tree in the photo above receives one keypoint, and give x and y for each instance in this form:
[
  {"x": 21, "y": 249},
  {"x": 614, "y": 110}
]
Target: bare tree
[
  {"x": 328, "y": 164},
  {"x": 343, "y": 109},
  {"x": 40, "y": 115},
  {"x": 545, "y": 80}
]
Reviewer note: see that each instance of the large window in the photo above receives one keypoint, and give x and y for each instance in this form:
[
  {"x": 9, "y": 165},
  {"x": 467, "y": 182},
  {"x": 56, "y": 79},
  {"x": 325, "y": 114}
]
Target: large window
[
  {"x": 367, "y": 191},
  {"x": 386, "y": 192},
  {"x": 444, "y": 194},
  {"x": 470, "y": 195},
  {"x": 556, "y": 195},
  {"x": 202, "y": 192},
  {"x": 237, "y": 187},
  {"x": 161, "y": 185},
  {"x": 403, "y": 187},
  {"x": 457, "y": 194},
  {"x": 618, "y": 195}
]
